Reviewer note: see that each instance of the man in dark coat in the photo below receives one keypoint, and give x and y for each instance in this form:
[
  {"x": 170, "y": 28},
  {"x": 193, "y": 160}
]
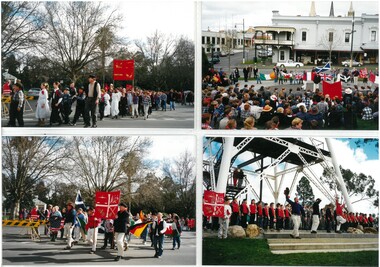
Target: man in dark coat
[
  {"x": 120, "y": 227},
  {"x": 159, "y": 227}
]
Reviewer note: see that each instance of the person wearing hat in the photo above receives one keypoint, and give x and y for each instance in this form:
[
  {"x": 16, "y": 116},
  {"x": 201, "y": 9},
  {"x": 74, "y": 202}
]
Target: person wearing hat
[
  {"x": 92, "y": 228},
  {"x": 120, "y": 228},
  {"x": 316, "y": 215},
  {"x": 93, "y": 94},
  {"x": 16, "y": 109},
  {"x": 266, "y": 115},
  {"x": 225, "y": 220},
  {"x": 70, "y": 221}
]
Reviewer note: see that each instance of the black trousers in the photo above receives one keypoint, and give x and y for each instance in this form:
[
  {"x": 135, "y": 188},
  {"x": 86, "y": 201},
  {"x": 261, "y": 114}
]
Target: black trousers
[
  {"x": 15, "y": 114},
  {"x": 55, "y": 116},
  {"x": 90, "y": 107}
]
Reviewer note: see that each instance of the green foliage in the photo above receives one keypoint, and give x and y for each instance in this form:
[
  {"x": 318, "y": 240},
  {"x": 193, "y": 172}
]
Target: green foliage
[
  {"x": 360, "y": 186},
  {"x": 256, "y": 252},
  {"x": 305, "y": 191}
]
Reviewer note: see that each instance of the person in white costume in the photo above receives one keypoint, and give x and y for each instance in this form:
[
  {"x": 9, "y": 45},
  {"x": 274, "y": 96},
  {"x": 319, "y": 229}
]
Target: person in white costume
[{"x": 43, "y": 109}]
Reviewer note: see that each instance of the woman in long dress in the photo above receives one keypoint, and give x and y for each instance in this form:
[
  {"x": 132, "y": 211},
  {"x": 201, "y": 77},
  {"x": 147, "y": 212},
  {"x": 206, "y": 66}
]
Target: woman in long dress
[
  {"x": 43, "y": 109},
  {"x": 107, "y": 108},
  {"x": 116, "y": 96}
]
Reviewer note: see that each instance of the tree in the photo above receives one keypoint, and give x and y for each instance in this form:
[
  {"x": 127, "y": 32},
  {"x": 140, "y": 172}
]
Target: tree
[
  {"x": 330, "y": 41},
  {"x": 305, "y": 191},
  {"x": 156, "y": 50},
  {"x": 360, "y": 187},
  {"x": 26, "y": 162},
  {"x": 105, "y": 163},
  {"x": 21, "y": 23},
  {"x": 181, "y": 171},
  {"x": 73, "y": 31}
]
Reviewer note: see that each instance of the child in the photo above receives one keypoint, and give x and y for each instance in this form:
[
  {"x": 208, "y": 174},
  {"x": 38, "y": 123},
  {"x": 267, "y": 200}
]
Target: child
[
  {"x": 79, "y": 110},
  {"x": 66, "y": 105}
]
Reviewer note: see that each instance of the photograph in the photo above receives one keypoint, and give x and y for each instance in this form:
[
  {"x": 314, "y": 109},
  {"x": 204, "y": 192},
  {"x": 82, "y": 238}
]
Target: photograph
[
  {"x": 287, "y": 201},
  {"x": 89, "y": 64},
  {"x": 302, "y": 65},
  {"x": 98, "y": 200}
]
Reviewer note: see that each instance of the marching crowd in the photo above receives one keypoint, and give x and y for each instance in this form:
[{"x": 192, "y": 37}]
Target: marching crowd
[
  {"x": 228, "y": 105},
  {"x": 292, "y": 215},
  {"x": 91, "y": 102},
  {"x": 80, "y": 224}
]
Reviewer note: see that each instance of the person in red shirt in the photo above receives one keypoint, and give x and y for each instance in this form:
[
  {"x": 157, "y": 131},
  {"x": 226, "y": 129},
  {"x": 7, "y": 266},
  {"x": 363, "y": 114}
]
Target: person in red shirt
[
  {"x": 339, "y": 215},
  {"x": 279, "y": 217},
  {"x": 287, "y": 214},
  {"x": 244, "y": 213},
  {"x": 272, "y": 216},
  {"x": 252, "y": 211},
  {"x": 259, "y": 214},
  {"x": 92, "y": 229},
  {"x": 265, "y": 216},
  {"x": 235, "y": 212}
]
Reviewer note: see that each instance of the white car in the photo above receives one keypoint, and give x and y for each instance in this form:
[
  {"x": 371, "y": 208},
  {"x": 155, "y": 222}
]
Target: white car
[
  {"x": 346, "y": 63},
  {"x": 289, "y": 63}
]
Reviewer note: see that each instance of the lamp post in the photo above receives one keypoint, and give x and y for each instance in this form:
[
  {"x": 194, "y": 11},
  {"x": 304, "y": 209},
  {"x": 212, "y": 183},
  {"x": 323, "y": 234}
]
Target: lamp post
[
  {"x": 352, "y": 38},
  {"x": 243, "y": 41}
]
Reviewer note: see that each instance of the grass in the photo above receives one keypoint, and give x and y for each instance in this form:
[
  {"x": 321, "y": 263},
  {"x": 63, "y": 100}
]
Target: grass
[{"x": 256, "y": 252}]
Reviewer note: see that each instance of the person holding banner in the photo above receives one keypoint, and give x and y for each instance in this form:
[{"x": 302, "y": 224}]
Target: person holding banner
[{"x": 120, "y": 227}]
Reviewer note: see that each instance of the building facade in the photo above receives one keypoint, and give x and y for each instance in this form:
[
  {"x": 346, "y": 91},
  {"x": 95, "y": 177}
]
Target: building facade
[{"x": 327, "y": 38}]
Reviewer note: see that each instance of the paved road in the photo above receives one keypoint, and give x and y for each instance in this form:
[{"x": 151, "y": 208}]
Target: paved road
[
  {"x": 182, "y": 117},
  {"x": 19, "y": 249}
]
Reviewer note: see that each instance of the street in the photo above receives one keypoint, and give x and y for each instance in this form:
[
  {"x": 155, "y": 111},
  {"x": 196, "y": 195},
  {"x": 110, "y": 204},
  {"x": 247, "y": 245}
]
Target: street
[
  {"x": 181, "y": 117},
  {"x": 19, "y": 249}
]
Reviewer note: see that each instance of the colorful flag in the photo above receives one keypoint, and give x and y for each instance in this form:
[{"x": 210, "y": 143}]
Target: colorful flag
[
  {"x": 332, "y": 89},
  {"x": 169, "y": 230},
  {"x": 363, "y": 73},
  {"x": 213, "y": 204},
  {"x": 322, "y": 69},
  {"x": 79, "y": 202},
  {"x": 106, "y": 204},
  {"x": 138, "y": 228},
  {"x": 82, "y": 224},
  {"x": 262, "y": 77},
  {"x": 372, "y": 77},
  {"x": 123, "y": 70}
]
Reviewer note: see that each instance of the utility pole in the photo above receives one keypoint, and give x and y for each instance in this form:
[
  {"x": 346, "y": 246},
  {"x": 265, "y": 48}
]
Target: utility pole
[{"x": 352, "y": 38}]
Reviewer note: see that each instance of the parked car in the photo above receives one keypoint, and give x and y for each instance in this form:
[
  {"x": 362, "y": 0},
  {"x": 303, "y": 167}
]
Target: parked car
[
  {"x": 346, "y": 63},
  {"x": 33, "y": 92},
  {"x": 225, "y": 53},
  {"x": 214, "y": 60},
  {"x": 289, "y": 63}
]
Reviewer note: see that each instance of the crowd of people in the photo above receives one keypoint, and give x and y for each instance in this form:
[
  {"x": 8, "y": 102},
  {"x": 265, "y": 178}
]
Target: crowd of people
[
  {"x": 81, "y": 225},
  {"x": 228, "y": 105},
  {"x": 333, "y": 217},
  {"x": 56, "y": 105}
]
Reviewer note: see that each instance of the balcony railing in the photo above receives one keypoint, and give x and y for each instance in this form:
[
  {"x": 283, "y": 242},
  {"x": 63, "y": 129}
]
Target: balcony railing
[{"x": 273, "y": 42}]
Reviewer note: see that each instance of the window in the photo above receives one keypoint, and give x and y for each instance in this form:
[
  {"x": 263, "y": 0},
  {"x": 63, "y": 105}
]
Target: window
[
  {"x": 347, "y": 37},
  {"x": 203, "y": 40},
  {"x": 213, "y": 40},
  {"x": 282, "y": 55},
  {"x": 303, "y": 36},
  {"x": 217, "y": 40},
  {"x": 331, "y": 36},
  {"x": 373, "y": 36},
  {"x": 288, "y": 36},
  {"x": 223, "y": 41}
]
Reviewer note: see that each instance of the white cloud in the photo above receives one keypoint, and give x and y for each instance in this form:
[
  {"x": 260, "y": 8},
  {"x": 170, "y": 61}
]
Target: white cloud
[{"x": 360, "y": 156}]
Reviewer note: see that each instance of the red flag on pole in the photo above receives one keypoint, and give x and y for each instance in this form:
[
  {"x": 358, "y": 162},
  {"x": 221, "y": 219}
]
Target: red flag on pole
[
  {"x": 123, "y": 70},
  {"x": 106, "y": 204},
  {"x": 213, "y": 204},
  {"x": 332, "y": 89}
]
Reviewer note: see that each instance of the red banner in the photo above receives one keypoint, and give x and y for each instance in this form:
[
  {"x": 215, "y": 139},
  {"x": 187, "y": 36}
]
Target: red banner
[
  {"x": 106, "y": 204},
  {"x": 123, "y": 70},
  {"x": 213, "y": 204},
  {"x": 332, "y": 89}
]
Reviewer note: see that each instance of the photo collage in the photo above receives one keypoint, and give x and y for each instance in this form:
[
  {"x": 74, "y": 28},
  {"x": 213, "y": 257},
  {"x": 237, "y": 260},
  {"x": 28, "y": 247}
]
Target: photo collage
[{"x": 191, "y": 133}]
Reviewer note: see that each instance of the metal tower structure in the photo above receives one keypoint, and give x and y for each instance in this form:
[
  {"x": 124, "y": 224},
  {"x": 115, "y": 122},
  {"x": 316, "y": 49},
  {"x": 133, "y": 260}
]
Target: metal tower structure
[{"x": 272, "y": 160}]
